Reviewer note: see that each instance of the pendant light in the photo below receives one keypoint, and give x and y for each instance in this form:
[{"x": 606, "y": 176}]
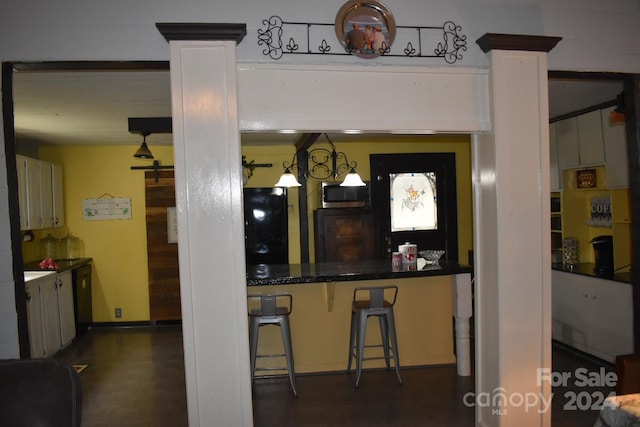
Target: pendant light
[
  {"x": 287, "y": 179},
  {"x": 321, "y": 164},
  {"x": 144, "y": 152},
  {"x": 352, "y": 180}
]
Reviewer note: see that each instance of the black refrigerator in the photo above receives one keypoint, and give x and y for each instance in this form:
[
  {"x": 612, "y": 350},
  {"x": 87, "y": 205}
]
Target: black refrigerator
[{"x": 266, "y": 226}]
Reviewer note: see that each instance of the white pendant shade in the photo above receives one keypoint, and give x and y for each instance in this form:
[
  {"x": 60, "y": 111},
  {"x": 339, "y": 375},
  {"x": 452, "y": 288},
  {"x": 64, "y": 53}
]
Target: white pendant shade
[
  {"x": 352, "y": 180},
  {"x": 287, "y": 180}
]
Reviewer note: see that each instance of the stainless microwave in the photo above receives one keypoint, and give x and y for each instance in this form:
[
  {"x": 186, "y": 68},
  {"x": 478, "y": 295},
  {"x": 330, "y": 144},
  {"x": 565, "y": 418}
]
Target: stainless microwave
[{"x": 334, "y": 196}]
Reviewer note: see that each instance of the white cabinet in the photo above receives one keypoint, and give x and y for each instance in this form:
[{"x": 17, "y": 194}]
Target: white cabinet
[
  {"x": 593, "y": 315},
  {"x": 579, "y": 141},
  {"x": 21, "y": 168},
  {"x": 615, "y": 147},
  {"x": 46, "y": 195},
  {"x": 32, "y": 179},
  {"x": 40, "y": 194},
  {"x": 34, "y": 319},
  {"x": 567, "y": 140},
  {"x": 57, "y": 195},
  {"x": 64, "y": 284},
  {"x": 50, "y": 313},
  {"x": 589, "y": 140},
  {"x": 570, "y": 311},
  {"x": 50, "y": 316},
  {"x": 591, "y": 147}
]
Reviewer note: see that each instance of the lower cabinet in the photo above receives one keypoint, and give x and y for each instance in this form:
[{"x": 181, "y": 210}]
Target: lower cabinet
[
  {"x": 592, "y": 315},
  {"x": 50, "y": 314},
  {"x": 34, "y": 319},
  {"x": 64, "y": 283}
]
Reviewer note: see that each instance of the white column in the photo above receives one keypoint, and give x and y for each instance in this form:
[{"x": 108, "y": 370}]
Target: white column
[
  {"x": 512, "y": 243},
  {"x": 462, "y": 311},
  {"x": 208, "y": 177}
]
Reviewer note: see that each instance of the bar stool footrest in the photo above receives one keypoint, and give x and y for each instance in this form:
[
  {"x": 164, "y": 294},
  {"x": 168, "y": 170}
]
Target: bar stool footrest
[
  {"x": 272, "y": 368},
  {"x": 270, "y": 355}
]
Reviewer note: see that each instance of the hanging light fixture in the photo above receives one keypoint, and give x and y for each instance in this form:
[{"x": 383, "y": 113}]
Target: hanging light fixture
[
  {"x": 322, "y": 165},
  {"x": 144, "y": 152},
  {"x": 352, "y": 180},
  {"x": 287, "y": 179}
]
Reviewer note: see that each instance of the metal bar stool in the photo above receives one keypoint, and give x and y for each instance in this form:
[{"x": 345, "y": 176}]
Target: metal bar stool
[
  {"x": 270, "y": 313},
  {"x": 361, "y": 310}
]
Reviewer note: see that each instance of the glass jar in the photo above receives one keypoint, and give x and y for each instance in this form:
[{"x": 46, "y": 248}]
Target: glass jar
[
  {"x": 73, "y": 247},
  {"x": 50, "y": 247}
]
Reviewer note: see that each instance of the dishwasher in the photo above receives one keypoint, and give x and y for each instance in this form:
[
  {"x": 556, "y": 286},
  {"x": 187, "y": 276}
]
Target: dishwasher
[{"x": 82, "y": 298}]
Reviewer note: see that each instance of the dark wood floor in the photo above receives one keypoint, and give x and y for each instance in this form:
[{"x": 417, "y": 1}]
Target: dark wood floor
[{"x": 135, "y": 378}]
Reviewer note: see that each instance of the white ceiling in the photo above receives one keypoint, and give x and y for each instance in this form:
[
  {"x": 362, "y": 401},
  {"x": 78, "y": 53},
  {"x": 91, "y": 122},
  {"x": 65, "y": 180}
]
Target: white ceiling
[{"x": 93, "y": 107}]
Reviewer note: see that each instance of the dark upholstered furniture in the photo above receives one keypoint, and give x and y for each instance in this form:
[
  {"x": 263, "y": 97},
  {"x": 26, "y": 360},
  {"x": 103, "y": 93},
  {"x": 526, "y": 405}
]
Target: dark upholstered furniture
[
  {"x": 39, "y": 392},
  {"x": 628, "y": 371}
]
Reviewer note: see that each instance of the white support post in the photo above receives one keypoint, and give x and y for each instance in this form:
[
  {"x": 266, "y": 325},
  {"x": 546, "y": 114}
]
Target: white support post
[
  {"x": 208, "y": 175},
  {"x": 462, "y": 312},
  {"x": 512, "y": 236}
]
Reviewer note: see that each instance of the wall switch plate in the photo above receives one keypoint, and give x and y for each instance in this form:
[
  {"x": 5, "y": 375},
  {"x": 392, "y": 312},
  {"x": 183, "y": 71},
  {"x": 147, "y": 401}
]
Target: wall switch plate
[{"x": 118, "y": 313}]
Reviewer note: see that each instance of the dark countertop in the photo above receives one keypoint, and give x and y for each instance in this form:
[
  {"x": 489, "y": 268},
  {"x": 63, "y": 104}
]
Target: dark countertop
[
  {"x": 63, "y": 264},
  {"x": 588, "y": 269},
  {"x": 291, "y": 274}
]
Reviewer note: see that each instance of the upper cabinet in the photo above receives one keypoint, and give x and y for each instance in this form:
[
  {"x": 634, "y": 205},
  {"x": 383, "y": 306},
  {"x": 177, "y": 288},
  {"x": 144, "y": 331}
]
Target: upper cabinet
[
  {"x": 57, "y": 195},
  {"x": 590, "y": 143},
  {"x": 40, "y": 194},
  {"x": 589, "y": 140},
  {"x": 567, "y": 140},
  {"x": 615, "y": 149}
]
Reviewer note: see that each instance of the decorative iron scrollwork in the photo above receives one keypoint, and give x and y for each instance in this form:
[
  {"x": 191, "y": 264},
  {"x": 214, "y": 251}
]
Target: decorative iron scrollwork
[
  {"x": 312, "y": 39},
  {"x": 292, "y": 46},
  {"x": 324, "y": 47},
  {"x": 409, "y": 50},
  {"x": 272, "y": 37},
  {"x": 454, "y": 42}
]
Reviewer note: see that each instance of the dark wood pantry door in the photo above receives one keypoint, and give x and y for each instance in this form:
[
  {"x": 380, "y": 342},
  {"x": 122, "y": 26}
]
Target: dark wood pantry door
[
  {"x": 164, "y": 273},
  {"x": 413, "y": 197}
]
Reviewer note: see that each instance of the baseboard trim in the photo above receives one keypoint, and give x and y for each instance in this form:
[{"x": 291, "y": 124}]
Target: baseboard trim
[{"x": 137, "y": 324}]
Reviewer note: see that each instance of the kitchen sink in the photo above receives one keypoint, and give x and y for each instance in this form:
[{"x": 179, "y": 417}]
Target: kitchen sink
[{"x": 32, "y": 275}]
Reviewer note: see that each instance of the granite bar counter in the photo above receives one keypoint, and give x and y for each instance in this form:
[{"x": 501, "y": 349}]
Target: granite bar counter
[
  {"x": 428, "y": 299},
  {"x": 291, "y": 274}
]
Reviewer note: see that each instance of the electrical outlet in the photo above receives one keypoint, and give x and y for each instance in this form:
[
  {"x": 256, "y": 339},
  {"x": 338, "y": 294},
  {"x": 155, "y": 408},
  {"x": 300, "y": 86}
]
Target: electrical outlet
[{"x": 118, "y": 313}]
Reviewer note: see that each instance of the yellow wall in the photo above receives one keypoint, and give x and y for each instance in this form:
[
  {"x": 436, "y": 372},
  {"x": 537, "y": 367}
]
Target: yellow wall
[
  {"x": 118, "y": 247},
  {"x": 576, "y": 211}
]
